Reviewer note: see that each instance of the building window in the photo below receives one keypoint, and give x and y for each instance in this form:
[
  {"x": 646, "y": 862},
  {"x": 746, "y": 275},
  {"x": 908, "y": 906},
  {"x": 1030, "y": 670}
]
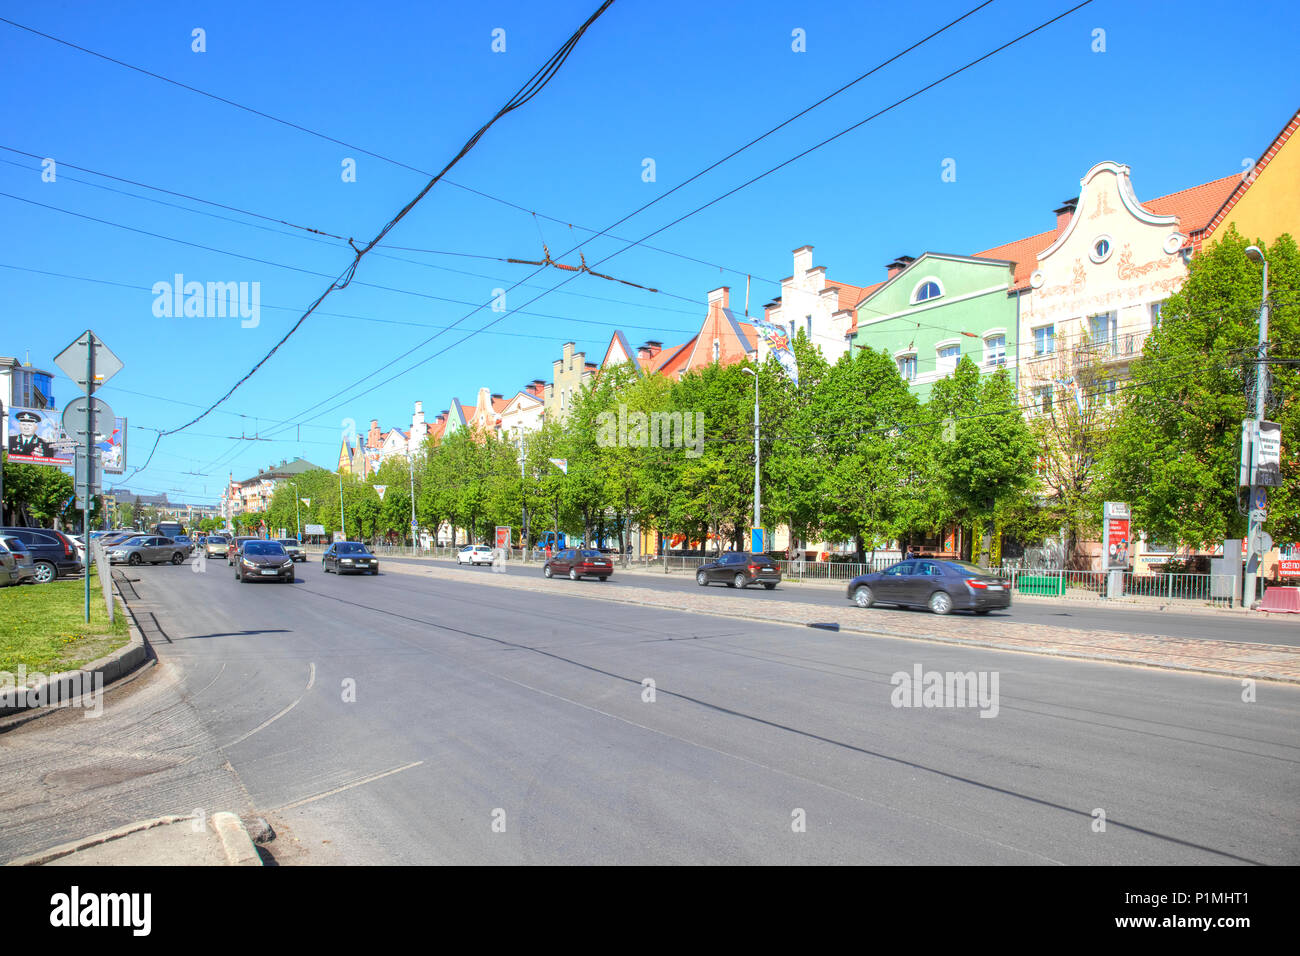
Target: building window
[
  {"x": 807, "y": 321},
  {"x": 792, "y": 330},
  {"x": 949, "y": 356},
  {"x": 1156, "y": 309},
  {"x": 1102, "y": 332},
  {"x": 1100, "y": 250},
  {"x": 1045, "y": 340},
  {"x": 907, "y": 367},
  {"x": 995, "y": 350},
  {"x": 1043, "y": 399},
  {"x": 927, "y": 289},
  {"x": 717, "y": 350}
]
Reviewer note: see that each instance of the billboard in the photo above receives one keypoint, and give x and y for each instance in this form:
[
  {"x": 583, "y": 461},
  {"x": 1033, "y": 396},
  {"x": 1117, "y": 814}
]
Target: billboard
[
  {"x": 35, "y": 436},
  {"x": 1116, "y": 537}
]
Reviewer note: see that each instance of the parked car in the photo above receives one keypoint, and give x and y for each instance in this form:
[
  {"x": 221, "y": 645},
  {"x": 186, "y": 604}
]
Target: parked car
[
  {"x": 294, "y": 548},
  {"x": 232, "y": 552},
  {"x": 263, "y": 561},
  {"x": 53, "y": 552},
  {"x": 215, "y": 546},
  {"x": 474, "y": 554},
  {"x": 147, "y": 549},
  {"x": 942, "y": 586},
  {"x": 740, "y": 569},
  {"x": 16, "y": 565},
  {"x": 579, "y": 563},
  {"x": 344, "y": 557}
]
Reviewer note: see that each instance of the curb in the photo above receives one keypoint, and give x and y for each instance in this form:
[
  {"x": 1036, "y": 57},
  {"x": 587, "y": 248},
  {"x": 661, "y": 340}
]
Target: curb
[
  {"x": 61, "y": 686},
  {"x": 235, "y": 840},
  {"x": 67, "y": 849}
]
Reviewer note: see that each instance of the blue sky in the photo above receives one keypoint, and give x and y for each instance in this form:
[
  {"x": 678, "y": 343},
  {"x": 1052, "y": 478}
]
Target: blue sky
[{"x": 1182, "y": 93}]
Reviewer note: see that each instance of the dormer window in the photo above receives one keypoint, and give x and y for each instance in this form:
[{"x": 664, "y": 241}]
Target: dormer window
[{"x": 927, "y": 289}]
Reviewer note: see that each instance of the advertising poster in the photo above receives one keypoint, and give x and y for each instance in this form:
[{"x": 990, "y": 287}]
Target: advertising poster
[
  {"x": 503, "y": 537},
  {"x": 35, "y": 437},
  {"x": 113, "y": 448},
  {"x": 1117, "y": 535}
]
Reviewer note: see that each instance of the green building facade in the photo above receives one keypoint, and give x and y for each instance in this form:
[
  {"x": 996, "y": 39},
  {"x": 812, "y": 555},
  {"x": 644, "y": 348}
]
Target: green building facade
[{"x": 934, "y": 310}]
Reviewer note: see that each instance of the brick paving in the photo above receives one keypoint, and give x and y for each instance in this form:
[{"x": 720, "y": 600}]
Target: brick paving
[{"x": 1229, "y": 659}]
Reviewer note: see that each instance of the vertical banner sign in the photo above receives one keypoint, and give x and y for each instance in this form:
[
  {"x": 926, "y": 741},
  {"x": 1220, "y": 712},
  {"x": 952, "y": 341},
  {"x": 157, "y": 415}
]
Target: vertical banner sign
[
  {"x": 1267, "y": 462},
  {"x": 756, "y": 541},
  {"x": 503, "y": 537},
  {"x": 1116, "y": 533}
]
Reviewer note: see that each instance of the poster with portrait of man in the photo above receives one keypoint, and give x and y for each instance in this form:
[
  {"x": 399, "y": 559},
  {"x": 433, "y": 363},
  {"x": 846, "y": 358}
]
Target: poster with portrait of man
[{"x": 34, "y": 436}]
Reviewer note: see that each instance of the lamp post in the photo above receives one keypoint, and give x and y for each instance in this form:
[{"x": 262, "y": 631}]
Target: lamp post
[
  {"x": 342, "y": 517},
  {"x": 1253, "y": 542},
  {"x": 410, "y": 461},
  {"x": 297, "y": 515},
  {"x": 758, "y": 500}
]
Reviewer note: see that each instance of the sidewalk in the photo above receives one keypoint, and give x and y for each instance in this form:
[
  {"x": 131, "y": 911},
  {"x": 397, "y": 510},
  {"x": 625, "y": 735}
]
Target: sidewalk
[
  {"x": 1222, "y": 658},
  {"x": 163, "y": 841}
]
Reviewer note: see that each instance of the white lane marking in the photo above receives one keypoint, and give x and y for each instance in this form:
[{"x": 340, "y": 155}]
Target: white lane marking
[
  {"x": 349, "y": 786},
  {"x": 311, "y": 680}
]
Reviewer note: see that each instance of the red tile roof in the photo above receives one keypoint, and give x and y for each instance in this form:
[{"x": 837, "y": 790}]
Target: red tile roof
[
  {"x": 1195, "y": 207},
  {"x": 1024, "y": 253}
]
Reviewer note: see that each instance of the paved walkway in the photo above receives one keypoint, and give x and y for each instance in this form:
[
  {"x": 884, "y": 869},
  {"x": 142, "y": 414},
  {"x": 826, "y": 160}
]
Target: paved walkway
[{"x": 1229, "y": 659}]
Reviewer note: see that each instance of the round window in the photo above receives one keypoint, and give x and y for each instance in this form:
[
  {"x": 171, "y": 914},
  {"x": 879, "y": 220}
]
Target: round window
[{"x": 1100, "y": 249}]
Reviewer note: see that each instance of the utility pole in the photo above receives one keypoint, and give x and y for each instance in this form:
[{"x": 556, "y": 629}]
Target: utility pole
[
  {"x": 1257, "y": 512},
  {"x": 342, "y": 517},
  {"x": 410, "y": 460},
  {"x": 758, "y": 499}
]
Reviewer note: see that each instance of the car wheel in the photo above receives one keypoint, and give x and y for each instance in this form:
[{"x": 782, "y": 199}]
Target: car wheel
[
  {"x": 863, "y": 597},
  {"x": 324, "y": 568},
  {"x": 701, "y": 579},
  {"x": 573, "y": 574},
  {"x": 45, "y": 572},
  {"x": 374, "y": 570},
  {"x": 940, "y": 602},
  {"x": 178, "y": 558},
  {"x": 134, "y": 560},
  {"x": 740, "y": 580},
  {"x": 239, "y": 576},
  {"x": 547, "y": 572}
]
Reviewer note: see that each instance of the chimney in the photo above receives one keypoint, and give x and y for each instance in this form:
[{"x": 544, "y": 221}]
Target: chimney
[
  {"x": 497, "y": 395},
  {"x": 1064, "y": 214},
  {"x": 536, "y": 388},
  {"x": 898, "y": 265},
  {"x": 803, "y": 260},
  {"x": 645, "y": 353},
  {"x": 374, "y": 437},
  {"x": 721, "y": 296}
]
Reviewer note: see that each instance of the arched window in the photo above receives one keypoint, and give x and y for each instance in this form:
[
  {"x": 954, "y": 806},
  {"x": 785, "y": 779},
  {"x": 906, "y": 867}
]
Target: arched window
[
  {"x": 927, "y": 289},
  {"x": 717, "y": 350}
]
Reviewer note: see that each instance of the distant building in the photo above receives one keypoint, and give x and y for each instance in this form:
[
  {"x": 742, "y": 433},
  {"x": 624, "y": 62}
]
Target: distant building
[{"x": 254, "y": 493}]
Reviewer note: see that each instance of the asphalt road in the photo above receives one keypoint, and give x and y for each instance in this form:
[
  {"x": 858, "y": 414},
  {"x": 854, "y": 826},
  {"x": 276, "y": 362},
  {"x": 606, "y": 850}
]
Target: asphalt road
[
  {"x": 396, "y": 719},
  {"x": 1127, "y": 619}
]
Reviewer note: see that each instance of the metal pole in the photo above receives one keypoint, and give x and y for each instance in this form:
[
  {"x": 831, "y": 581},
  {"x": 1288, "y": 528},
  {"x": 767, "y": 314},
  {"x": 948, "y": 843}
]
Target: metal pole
[
  {"x": 410, "y": 460},
  {"x": 90, "y": 463},
  {"x": 758, "y": 501},
  {"x": 523, "y": 503},
  {"x": 297, "y": 510},
  {"x": 342, "y": 517},
  {"x": 1253, "y": 558}
]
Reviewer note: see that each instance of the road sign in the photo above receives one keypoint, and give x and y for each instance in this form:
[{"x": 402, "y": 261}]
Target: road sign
[
  {"x": 756, "y": 541},
  {"x": 561, "y": 463},
  {"x": 415, "y": 525},
  {"x": 381, "y": 489},
  {"x": 72, "y": 361},
  {"x": 102, "y": 420},
  {"x": 96, "y": 472},
  {"x": 1261, "y": 497}
]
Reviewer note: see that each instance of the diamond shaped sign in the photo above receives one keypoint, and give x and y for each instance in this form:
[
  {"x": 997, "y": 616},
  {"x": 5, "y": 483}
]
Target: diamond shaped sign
[{"x": 72, "y": 361}]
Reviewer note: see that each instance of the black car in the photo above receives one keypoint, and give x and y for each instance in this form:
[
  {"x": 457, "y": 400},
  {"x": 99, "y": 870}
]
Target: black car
[
  {"x": 294, "y": 547},
  {"x": 53, "y": 552},
  {"x": 740, "y": 569},
  {"x": 345, "y": 557},
  {"x": 264, "y": 561},
  {"x": 942, "y": 586}
]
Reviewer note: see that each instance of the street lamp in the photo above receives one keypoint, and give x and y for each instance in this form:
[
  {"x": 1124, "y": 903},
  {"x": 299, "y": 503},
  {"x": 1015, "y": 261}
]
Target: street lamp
[
  {"x": 297, "y": 516},
  {"x": 1253, "y": 539},
  {"x": 758, "y": 501},
  {"x": 343, "y": 520},
  {"x": 410, "y": 461}
]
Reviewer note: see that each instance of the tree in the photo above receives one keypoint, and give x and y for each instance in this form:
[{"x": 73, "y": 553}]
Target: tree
[{"x": 1176, "y": 445}]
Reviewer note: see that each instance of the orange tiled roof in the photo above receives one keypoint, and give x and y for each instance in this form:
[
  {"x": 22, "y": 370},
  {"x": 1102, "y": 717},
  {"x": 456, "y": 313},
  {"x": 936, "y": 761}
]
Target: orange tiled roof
[
  {"x": 850, "y": 295},
  {"x": 676, "y": 362},
  {"x": 864, "y": 293},
  {"x": 1024, "y": 253},
  {"x": 499, "y": 404},
  {"x": 1195, "y": 207}
]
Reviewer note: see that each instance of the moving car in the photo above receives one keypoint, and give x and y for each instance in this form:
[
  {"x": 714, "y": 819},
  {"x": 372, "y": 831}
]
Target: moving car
[
  {"x": 147, "y": 549},
  {"x": 942, "y": 586},
  {"x": 264, "y": 561},
  {"x": 216, "y": 546},
  {"x": 740, "y": 569},
  {"x": 53, "y": 552},
  {"x": 294, "y": 548},
  {"x": 578, "y": 563},
  {"x": 344, "y": 557},
  {"x": 16, "y": 565},
  {"x": 474, "y": 554},
  {"x": 232, "y": 552}
]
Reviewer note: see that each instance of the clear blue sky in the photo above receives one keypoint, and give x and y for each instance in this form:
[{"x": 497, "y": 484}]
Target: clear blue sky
[{"x": 1183, "y": 93}]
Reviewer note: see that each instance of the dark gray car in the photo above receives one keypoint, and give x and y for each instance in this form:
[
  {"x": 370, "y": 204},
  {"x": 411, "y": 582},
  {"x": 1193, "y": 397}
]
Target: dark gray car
[
  {"x": 740, "y": 569},
  {"x": 942, "y": 586},
  {"x": 147, "y": 549}
]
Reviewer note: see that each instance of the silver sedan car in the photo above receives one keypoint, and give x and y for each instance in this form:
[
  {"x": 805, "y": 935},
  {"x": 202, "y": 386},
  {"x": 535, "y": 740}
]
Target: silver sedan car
[{"x": 147, "y": 549}]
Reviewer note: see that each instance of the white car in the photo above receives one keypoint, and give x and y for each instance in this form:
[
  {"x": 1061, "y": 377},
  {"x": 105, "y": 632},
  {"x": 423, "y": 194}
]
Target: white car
[{"x": 474, "y": 554}]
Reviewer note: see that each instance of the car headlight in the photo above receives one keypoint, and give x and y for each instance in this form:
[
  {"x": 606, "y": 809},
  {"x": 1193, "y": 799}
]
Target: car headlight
[
  {"x": 246, "y": 563},
  {"x": 347, "y": 560},
  {"x": 287, "y": 564}
]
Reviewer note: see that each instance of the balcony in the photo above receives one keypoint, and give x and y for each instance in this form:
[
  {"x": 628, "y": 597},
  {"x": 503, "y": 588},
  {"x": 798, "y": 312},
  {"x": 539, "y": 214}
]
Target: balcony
[{"x": 1121, "y": 346}]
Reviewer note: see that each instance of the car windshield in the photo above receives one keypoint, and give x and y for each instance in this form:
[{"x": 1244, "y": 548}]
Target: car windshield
[
  {"x": 351, "y": 547},
  {"x": 590, "y": 554},
  {"x": 263, "y": 547}
]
